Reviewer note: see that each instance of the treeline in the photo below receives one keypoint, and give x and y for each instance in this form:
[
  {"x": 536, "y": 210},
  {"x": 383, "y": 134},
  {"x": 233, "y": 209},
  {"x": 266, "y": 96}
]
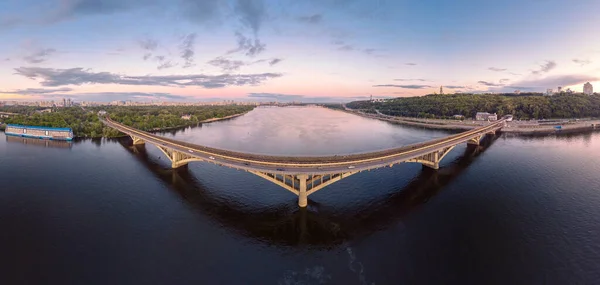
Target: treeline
[
  {"x": 150, "y": 118},
  {"x": 521, "y": 107},
  {"x": 85, "y": 122}
]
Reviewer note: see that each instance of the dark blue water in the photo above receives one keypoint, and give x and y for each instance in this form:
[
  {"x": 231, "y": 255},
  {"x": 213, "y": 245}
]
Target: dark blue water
[{"x": 513, "y": 211}]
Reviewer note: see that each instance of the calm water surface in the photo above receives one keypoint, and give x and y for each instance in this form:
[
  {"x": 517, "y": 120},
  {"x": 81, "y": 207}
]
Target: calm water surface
[{"x": 514, "y": 211}]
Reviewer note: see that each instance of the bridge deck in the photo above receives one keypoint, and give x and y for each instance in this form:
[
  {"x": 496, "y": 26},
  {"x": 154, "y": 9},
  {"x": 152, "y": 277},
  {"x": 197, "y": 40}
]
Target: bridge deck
[{"x": 388, "y": 155}]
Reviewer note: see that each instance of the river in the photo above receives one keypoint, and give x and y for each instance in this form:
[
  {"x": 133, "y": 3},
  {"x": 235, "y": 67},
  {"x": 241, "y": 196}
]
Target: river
[{"x": 517, "y": 210}]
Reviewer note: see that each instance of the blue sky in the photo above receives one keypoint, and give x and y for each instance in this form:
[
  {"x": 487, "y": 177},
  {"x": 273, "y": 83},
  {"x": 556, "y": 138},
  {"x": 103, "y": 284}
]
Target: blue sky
[{"x": 311, "y": 50}]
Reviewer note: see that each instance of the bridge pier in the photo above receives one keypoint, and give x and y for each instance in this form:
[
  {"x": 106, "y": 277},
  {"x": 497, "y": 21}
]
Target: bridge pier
[
  {"x": 475, "y": 140},
  {"x": 432, "y": 160},
  {"x": 136, "y": 140},
  {"x": 302, "y": 195},
  {"x": 178, "y": 159}
]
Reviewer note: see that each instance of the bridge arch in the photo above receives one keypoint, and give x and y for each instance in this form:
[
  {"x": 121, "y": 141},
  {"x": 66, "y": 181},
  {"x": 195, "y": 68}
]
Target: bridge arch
[{"x": 304, "y": 176}]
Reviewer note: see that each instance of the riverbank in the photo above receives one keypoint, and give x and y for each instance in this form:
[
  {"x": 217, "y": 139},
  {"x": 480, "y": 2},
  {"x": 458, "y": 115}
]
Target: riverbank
[
  {"x": 223, "y": 118},
  {"x": 211, "y": 120},
  {"x": 514, "y": 127}
]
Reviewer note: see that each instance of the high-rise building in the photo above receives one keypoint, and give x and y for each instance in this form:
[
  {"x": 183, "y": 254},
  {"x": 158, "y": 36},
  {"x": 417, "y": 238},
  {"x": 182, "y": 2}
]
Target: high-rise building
[
  {"x": 64, "y": 102},
  {"x": 69, "y": 102},
  {"x": 559, "y": 89},
  {"x": 588, "y": 89},
  {"x": 441, "y": 90}
]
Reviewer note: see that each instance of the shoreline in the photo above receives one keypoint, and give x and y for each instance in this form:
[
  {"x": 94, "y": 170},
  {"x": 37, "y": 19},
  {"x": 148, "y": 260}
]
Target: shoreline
[
  {"x": 512, "y": 127},
  {"x": 221, "y": 119},
  {"x": 211, "y": 120}
]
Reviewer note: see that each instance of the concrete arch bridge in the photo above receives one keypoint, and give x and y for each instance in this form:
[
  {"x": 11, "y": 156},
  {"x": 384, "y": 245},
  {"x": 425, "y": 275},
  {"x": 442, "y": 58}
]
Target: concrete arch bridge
[{"x": 305, "y": 175}]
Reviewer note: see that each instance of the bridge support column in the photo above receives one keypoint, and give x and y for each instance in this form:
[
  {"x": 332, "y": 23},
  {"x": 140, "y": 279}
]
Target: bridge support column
[
  {"x": 475, "y": 140},
  {"x": 436, "y": 161},
  {"x": 176, "y": 160},
  {"x": 136, "y": 140},
  {"x": 302, "y": 195}
]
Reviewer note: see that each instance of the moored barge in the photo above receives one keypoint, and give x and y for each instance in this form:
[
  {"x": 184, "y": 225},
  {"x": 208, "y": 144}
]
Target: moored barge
[{"x": 48, "y": 133}]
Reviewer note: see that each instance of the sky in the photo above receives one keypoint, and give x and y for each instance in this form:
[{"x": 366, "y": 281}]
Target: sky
[{"x": 302, "y": 50}]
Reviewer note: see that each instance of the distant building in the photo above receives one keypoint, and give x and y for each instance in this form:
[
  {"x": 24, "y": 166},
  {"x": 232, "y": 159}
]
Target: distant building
[
  {"x": 517, "y": 92},
  {"x": 569, "y": 91},
  {"x": 441, "y": 90},
  {"x": 101, "y": 113},
  {"x": 588, "y": 89},
  {"x": 549, "y": 92},
  {"x": 186, "y": 117},
  {"x": 458, "y": 117},
  {"x": 485, "y": 116},
  {"x": 44, "y": 111},
  {"x": 559, "y": 89}
]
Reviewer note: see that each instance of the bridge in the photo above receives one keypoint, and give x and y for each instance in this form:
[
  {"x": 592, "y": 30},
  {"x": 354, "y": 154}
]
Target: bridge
[{"x": 305, "y": 175}]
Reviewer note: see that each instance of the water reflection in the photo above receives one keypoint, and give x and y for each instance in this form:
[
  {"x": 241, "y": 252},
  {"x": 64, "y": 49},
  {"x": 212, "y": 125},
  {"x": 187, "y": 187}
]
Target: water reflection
[
  {"x": 315, "y": 226},
  {"x": 39, "y": 142}
]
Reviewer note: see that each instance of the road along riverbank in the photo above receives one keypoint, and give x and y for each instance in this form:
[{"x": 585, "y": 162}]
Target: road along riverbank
[{"x": 515, "y": 127}]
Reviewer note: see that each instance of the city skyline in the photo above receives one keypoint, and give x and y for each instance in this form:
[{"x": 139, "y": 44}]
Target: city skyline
[{"x": 192, "y": 50}]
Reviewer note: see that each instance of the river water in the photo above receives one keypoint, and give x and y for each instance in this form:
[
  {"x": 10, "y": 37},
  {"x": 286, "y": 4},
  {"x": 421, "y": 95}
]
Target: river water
[{"x": 512, "y": 211}]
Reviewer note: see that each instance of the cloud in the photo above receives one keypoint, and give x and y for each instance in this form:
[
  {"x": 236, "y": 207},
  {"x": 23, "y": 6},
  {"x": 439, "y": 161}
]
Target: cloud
[
  {"x": 412, "y": 86},
  {"x": 410, "y": 63},
  {"x": 275, "y": 96},
  {"x": 343, "y": 46},
  {"x": 409, "y": 79},
  {"x": 39, "y": 56},
  {"x": 186, "y": 49},
  {"x": 37, "y": 91},
  {"x": 227, "y": 65},
  {"x": 304, "y": 98},
  {"x": 313, "y": 19},
  {"x": 582, "y": 62},
  {"x": 454, "y": 87},
  {"x": 246, "y": 45},
  {"x": 346, "y": 48},
  {"x": 275, "y": 61},
  {"x": 103, "y": 96},
  {"x": 71, "y": 9},
  {"x": 558, "y": 80},
  {"x": 9, "y": 21},
  {"x": 369, "y": 50},
  {"x": 546, "y": 67},
  {"x": 149, "y": 46},
  {"x": 496, "y": 69},
  {"x": 201, "y": 11},
  {"x": 166, "y": 64},
  {"x": 79, "y": 76},
  {"x": 504, "y": 80},
  {"x": 490, "y": 84},
  {"x": 252, "y": 13},
  {"x": 519, "y": 87}
]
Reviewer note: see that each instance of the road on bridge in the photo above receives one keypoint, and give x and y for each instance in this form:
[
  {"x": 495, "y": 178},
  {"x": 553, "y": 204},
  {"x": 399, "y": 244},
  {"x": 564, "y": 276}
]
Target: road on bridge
[{"x": 308, "y": 165}]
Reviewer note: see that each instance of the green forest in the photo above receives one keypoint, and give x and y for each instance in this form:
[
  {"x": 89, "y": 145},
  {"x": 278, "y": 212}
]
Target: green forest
[
  {"x": 85, "y": 122},
  {"x": 521, "y": 107}
]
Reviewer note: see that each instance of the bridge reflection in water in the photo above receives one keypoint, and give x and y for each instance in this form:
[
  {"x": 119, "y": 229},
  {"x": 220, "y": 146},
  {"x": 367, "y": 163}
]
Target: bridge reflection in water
[
  {"x": 316, "y": 228},
  {"x": 304, "y": 175},
  {"x": 39, "y": 142}
]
